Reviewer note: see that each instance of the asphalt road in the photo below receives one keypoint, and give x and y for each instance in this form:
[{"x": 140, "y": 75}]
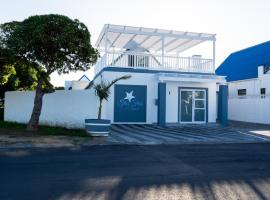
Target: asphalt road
[{"x": 229, "y": 171}]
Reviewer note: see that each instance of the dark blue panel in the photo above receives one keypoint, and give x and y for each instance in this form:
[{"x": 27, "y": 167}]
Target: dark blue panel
[
  {"x": 244, "y": 64},
  {"x": 130, "y": 103},
  {"x": 223, "y": 105},
  {"x": 161, "y": 104}
]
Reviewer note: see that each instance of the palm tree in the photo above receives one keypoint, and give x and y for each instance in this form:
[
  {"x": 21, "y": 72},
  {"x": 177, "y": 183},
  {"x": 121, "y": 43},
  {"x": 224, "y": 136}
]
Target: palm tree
[{"x": 103, "y": 90}]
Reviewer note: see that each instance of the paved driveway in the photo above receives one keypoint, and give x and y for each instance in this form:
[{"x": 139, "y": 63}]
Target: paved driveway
[{"x": 199, "y": 134}]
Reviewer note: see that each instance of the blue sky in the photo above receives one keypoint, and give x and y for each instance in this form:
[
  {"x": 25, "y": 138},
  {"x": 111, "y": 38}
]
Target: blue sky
[{"x": 237, "y": 23}]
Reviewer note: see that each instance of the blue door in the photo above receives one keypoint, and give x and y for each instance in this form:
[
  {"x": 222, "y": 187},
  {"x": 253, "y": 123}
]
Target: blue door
[{"x": 130, "y": 103}]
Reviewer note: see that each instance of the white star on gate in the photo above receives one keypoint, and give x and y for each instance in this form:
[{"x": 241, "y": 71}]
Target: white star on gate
[{"x": 129, "y": 96}]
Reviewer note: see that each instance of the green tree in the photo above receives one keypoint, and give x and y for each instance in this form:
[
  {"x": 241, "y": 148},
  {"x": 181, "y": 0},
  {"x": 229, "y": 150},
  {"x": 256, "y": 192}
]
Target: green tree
[
  {"x": 52, "y": 43},
  {"x": 15, "y": 73}
]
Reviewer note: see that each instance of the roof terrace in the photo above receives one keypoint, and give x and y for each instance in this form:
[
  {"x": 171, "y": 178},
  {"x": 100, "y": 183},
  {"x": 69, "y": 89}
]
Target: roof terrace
[{"x": 152, "y": 49}]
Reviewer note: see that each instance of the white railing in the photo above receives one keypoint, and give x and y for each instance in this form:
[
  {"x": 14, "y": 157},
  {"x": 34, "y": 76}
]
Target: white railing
[{"x": 149, "y": 61}]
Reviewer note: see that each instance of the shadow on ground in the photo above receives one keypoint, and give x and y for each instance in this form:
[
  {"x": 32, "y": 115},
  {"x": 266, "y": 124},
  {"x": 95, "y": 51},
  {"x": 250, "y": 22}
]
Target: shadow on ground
[{"x": 228, "y": 171}]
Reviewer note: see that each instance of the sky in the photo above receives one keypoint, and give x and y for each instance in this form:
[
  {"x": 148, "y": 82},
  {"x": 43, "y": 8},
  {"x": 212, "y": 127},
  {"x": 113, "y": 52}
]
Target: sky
[{"x": 237, "y": 23}]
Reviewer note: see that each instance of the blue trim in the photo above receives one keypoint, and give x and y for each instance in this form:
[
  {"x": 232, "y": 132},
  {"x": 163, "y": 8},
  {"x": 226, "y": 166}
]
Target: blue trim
[
  {"x": 85, "y": 77},
  {"x": 193, "y": 88},
  {"x": 136, "y": 70},
  {"x": 223, "y": 105},
  {"x": 161, "y": 104}
]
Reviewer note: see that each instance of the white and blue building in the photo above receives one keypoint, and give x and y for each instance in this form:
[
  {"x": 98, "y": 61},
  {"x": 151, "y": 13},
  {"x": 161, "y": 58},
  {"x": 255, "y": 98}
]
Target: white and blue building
[
  {"x": 248, "y": 74},
  {"x": 167, "y": 86}
]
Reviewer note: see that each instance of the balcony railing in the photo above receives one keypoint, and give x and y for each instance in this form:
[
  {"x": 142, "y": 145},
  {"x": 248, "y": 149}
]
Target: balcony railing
[{"x": 143, "y": 60}]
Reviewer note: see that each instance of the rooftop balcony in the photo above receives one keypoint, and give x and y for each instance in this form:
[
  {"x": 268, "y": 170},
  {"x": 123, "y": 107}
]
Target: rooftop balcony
[
  {"x": 152, "y": 49},
  {"x": 144, "y": 60}
]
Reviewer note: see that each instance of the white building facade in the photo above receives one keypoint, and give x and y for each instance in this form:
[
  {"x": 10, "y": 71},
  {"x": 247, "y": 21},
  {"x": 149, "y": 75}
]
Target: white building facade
[{"x": 164, "y": 86}]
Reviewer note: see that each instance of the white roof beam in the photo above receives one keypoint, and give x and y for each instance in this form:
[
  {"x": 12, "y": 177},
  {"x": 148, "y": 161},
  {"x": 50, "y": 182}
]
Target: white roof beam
[
  {"x": 176, "y": 47},
  {"x": 144, "y": 40},
  {"x": 132, "y": 37},
  {"x": 155, "y": 33},
  {"x": 114, "y": 41},
  {"x": 189, "y": 47},
  {"x": 154, "y": 43},
  {"x": 172, "y": 41}
]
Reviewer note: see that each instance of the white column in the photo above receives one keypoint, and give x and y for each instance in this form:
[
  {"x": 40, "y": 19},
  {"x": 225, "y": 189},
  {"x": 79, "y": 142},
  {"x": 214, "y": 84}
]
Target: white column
[
  {"x": 162, "y": 51},
  {"x": 106, "y": 46},
  {"x": 214, "y": 54}
]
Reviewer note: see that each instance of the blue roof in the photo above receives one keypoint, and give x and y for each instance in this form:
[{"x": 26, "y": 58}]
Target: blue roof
[{"x": 244, "y": 64}]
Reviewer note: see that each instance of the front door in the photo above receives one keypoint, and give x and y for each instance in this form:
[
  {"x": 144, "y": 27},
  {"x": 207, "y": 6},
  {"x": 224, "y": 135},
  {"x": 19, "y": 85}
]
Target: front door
[{"x": 192, "y": 106}]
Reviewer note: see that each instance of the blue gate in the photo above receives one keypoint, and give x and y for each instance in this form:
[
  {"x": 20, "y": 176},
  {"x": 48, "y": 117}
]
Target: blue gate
[{"x": 130, "y": 103}]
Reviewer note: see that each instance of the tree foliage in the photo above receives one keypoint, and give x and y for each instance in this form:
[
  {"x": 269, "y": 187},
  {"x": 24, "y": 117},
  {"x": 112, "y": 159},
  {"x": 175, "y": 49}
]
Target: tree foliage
[{"x": 45, "y": 44}]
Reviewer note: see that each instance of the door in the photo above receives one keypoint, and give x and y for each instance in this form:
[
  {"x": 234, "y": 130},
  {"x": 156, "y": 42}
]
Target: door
[
  {"x": 192, "y": 106},
  {"x": 130, "y": 103}
]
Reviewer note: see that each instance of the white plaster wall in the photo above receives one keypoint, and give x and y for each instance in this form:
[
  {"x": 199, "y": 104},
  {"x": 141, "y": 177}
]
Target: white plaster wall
[
  {"x": 150, "y": 80},
  {"x": 76, "y": 85},
  {"x": 61, "y": 108},
  {"x": 251, "y": 85},
  {"x": 79, "y": 85},
  {"x": 251, "y": 108},
  {"x": 172, "y": 99}
]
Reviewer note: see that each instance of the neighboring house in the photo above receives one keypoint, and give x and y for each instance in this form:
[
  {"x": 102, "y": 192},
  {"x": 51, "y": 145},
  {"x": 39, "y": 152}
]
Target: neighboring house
[
  {"x": 80, "y": 84},
  {"x": 248, "y": 78},
  {"x": 164, "y": 87}
]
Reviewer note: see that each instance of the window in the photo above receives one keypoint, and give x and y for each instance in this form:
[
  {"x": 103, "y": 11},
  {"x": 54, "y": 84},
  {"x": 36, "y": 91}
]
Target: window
[
  {"x": 242, "y": 92},
  {"x": 263, "y": 92}
]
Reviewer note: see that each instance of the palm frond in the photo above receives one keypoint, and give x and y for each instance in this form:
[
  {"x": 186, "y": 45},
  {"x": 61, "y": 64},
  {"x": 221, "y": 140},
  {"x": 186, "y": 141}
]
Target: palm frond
[{"x": 118, "y": 79}]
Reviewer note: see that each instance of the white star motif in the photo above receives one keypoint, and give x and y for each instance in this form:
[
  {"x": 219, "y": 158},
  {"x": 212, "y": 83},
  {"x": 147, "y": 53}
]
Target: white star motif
[{"x": 129, "y": 96}]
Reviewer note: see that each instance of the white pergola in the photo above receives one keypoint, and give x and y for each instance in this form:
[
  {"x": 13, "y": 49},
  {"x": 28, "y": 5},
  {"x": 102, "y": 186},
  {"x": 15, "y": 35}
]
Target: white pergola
[
  {"x": 120, "y": 38},
  {"x": 117, "y": 37}
]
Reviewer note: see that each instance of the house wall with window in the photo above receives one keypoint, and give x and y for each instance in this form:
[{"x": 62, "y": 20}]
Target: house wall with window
[
  {"x": 248, "y": 74},
  {"x": 249, "y": 99}
]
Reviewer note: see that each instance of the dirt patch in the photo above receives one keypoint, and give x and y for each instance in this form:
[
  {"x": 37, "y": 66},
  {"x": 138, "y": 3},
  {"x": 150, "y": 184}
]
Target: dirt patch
[{"x": 10, "y": 138}]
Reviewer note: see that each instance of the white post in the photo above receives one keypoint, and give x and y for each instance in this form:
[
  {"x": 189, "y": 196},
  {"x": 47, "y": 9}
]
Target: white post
[
  {"x": 105, "y": 53},
  {"x": 214, "y": 54},
  {"x": 163, "y": 51}
]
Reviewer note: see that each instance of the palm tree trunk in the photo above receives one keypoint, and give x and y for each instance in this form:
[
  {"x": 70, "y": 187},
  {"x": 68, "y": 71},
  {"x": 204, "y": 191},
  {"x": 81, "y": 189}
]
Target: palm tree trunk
[
  {"x": 100, "y": 108},
  {"x": 34, "y": 120}
]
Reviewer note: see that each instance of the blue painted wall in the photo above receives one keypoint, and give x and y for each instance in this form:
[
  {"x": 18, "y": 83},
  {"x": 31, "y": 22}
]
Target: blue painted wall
[
  {"x": 161, "y": 104},
  {"x": 244, "y": 64},
  {"x": 130, "y": 103},
  {"x": 223, "y": 105}
]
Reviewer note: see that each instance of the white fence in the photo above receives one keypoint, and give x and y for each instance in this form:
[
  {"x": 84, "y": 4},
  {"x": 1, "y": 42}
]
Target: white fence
[
  {"x": 61, "y": 108},
  {"x": 155, "y": 62},
  {"x": 256, "y": 110}
]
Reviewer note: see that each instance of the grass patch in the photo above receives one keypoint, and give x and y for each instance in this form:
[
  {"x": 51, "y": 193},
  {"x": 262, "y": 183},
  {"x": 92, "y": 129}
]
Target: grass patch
[{"x": 20, "y": 129}]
